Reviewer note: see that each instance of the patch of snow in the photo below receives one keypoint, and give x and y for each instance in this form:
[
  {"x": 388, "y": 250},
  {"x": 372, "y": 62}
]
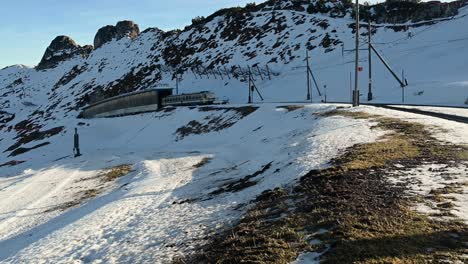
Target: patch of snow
[{"x": 167, "y": 205}]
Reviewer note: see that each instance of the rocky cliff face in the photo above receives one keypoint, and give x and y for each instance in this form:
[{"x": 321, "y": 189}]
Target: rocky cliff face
[
  {"x": 122, "y": 29},
  {"x": 397, "y": 12},
  {"x": 61, "y": 49}
]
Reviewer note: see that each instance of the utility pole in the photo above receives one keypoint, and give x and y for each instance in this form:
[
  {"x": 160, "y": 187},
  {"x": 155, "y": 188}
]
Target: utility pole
[
  {"x": 325, "y": 88},
  {"x": 403, "y": 87},
  {"x": 402, "y": 83},
  {"x": 351, "y": 86},
  {"x": 356, "y": 74},
  {"x": 308, "y": 77},
  {"x": 369, "y": 94},
  {"x": 250, "y": 89},
  {"x": 253, "y": 88},
  {"x": 177, "y": 83},
  {"x": 268, "y": 71}
]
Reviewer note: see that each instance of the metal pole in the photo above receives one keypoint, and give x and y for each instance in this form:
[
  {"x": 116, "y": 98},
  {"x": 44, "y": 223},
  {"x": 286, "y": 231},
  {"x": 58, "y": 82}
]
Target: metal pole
[
  {"x": 369, "y": 94},
  {"x": 325, "y": 88},
  {"x": 259, "y": 72},
  {"x": 268, "y": 70},
  {"x": 250, "y": 93},
  {"x": 250, "y": 72},
  {"x": 351, "y": 86},
  {"x": 177, "y": 83},
  {"x": 308, "y": 77},
  {"x": 387, "y": 66},
  {"x": 315, "y": 82},
  {"x": 254, "y": 87},
  {"x": 403, "y": 87},
  {"x": 356, "y": 73}
]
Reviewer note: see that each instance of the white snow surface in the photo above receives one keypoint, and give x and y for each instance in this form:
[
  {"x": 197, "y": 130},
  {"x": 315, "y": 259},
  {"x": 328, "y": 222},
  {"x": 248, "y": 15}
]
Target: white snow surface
[
  {"x": 431, "y": 177},
  {"x": 142, "y": 217},
  {"x": 163, "y": 208}
]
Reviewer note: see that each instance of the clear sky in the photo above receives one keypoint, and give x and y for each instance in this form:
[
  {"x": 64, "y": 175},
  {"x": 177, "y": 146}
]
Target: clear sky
[{"x": 28, "y": 26}]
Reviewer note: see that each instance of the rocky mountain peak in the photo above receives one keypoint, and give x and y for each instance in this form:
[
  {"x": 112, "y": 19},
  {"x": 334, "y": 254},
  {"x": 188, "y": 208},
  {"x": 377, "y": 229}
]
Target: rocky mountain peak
[
  {"x": 122, "y": 29},
  {"x": 60, "y": 49}
]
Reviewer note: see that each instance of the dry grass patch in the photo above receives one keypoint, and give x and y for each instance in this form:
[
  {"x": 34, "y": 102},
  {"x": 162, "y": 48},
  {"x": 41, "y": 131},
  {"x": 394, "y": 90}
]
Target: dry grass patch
[
  {"x": 290, "y": 108},
  {"x": 116, "y": 172},
  {"x": 202, "y": 163},
  {"x": 215, "y": 122},
  {"x": 392, "y": 147},
  {"x": 367, "y": 218},
  {"x": 107, "y": 176},
  {"x": 463, "y": 154}
]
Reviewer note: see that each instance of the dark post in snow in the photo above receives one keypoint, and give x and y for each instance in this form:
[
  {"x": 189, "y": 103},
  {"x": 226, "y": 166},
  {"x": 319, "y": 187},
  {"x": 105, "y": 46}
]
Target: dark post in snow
[
  {"x": 76, "y": 144},
  {"x": 268, "y": 71},
  {"x": 369, "y": 94},
  {"x": 177, "y": 83},
  {"x": 259, "y": 72},
  {"x": 403, "y": 87},
  {"x": 356, "y": 74},
  {"x": 308, "y": 77},
  {"x": 250, "y": 89},
  {"x": 325, "y": 88}
]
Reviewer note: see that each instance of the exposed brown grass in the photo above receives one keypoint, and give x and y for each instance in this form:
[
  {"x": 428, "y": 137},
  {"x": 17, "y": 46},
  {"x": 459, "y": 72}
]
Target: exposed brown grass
[
  {"x": 368, "y": 219},
  {"x": 108, "y": 175},
  {"x": 116, "y": 172},
  {"x": 290, "y": 108},
  {"x": 214, "y": 122},
  {"x": 202, "y": 163}
]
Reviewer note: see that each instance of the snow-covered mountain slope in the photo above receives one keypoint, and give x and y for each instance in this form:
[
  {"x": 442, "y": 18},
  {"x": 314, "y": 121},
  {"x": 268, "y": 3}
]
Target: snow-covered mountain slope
[
  {"x": 216, "y": 52},
  {"x": 194, "y": 171}
]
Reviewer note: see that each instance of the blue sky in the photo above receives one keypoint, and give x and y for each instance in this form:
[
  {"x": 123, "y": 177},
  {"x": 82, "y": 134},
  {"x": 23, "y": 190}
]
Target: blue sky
[{"x": 28, "y": 26}]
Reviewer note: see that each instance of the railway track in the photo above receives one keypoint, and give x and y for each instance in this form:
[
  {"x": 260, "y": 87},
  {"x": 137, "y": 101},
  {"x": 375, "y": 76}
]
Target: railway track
[
  {"x": 398, "y": 107},
  {"x": 456, "y": 118}
]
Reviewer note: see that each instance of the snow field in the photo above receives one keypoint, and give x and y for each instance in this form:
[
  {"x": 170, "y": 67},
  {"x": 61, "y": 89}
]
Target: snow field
[{"x": 166, "y": 206}]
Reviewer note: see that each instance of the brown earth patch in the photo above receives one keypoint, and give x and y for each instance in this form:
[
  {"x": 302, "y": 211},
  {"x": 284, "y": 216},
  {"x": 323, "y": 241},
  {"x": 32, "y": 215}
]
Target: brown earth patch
[
  {"x": 214, "y": 122},
  {"x": 202, "y": 163},
  {"x": 290, "y": 108},
  {"x": 351, "y": 210},
  {"x": 243, "y": 183},
  {"x": 12, "y": 163}
]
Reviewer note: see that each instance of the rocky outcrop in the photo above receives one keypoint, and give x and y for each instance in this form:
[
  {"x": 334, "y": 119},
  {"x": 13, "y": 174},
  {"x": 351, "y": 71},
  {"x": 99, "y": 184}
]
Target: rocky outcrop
[
  {"x": 60, "y": 49},
  {"x": 122, "y": 29},
  {"x": 398, "y": 12}
]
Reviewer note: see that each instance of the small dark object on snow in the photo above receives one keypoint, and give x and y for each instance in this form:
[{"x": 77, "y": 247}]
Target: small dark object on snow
[{"x": 76, "y": 146}]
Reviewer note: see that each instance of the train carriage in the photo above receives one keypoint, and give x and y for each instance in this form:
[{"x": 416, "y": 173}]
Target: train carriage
[{"x": 201, "y": 98}]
